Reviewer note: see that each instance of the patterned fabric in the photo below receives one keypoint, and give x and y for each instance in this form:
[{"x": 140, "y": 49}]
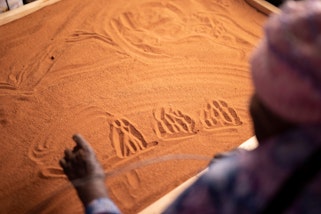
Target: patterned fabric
[
  {"x": 286, "y": 65},
  {"x": 102, "y": 206},
  {"x": 244, "y": 182},
  {"x": 6, "y": 5},
  {"x": 286, "y": 74}
]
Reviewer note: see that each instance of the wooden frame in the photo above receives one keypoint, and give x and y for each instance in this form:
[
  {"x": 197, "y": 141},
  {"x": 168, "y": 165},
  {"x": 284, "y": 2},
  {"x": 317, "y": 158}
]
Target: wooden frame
[
  {"x": 161, "y": 204},
  {"x": 263, "y": 6},
  {"x": 23, "y": 11},
  {"x": 6, "y": 17}
]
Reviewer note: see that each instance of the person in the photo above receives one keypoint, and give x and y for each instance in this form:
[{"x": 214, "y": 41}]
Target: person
[
  {"x": 6, "y": 5},
  {"x": 87, "y": 176},
  {"x": 276, "y": 3},
  {"x": 283, "y": 173}
]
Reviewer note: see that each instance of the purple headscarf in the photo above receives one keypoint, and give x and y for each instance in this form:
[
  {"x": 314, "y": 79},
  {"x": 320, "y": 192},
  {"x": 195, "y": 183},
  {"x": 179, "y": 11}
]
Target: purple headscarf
[{"x": 286, "y": 66}]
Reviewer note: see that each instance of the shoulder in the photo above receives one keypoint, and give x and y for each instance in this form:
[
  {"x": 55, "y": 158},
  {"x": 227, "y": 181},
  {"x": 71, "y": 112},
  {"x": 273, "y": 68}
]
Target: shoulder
[{"x": 234, "y": 182}]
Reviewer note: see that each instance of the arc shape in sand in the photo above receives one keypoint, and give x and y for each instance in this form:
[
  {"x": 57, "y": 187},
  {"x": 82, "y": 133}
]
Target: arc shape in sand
[{"x": 102, "y": 71}]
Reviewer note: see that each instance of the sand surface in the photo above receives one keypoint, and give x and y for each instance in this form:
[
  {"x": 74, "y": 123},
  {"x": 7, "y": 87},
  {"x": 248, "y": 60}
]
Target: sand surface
[{"x": 157, "y": 87}]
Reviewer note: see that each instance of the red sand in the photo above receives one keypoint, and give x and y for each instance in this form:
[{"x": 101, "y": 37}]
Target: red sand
[{"x": 140, "y": 79}]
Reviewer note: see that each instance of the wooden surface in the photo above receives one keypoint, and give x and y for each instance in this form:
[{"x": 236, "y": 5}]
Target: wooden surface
[
  {"x": 263, "y": 6},
  {"x": 162, "y": 203},
  {"x": 25, "y": 10}
]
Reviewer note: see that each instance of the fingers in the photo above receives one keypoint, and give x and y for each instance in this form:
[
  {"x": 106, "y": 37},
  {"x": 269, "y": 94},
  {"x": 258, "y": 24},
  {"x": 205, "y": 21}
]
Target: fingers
[
  {"x": 74, "y": 162},
  {"x": 68, "y": 154},
  {"x": 81, "y": 143},
  {"x": 80, "y": 151},
  {"x": 63, "y": 163}
]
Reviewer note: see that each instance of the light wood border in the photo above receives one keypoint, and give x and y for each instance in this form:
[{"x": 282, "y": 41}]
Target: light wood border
[
  {"x": 263, "y": 6},
  {"x": 160, "y": 205},
  {"x": 24, "y": 10},
  {"x": 9, "y": 16}
]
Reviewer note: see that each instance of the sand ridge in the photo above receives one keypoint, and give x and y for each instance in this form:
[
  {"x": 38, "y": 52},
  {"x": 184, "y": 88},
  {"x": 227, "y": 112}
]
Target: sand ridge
[{"x": 157, "y": 87}]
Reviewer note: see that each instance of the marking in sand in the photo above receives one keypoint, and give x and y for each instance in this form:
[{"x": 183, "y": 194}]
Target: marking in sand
[
  {"x": 169, "y": 124},
  {"x": 133, "y": 179},
  {"x": 127, "y": 140},
  {"x": 218, "y": 114},
  {"x": 48, "y": 145},
  {"x": 137, "y": 30},
  {"x": 129, "y": 184},
  {"x": 3, "y": 118},
  {"x": 43, "y": 153},
  {"x": 173, "y": 124},
  {"x": 47, "y": 149}
]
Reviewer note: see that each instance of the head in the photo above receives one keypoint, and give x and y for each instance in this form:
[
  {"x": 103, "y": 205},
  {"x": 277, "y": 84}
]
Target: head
[{"x": 286, "y": 70}]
